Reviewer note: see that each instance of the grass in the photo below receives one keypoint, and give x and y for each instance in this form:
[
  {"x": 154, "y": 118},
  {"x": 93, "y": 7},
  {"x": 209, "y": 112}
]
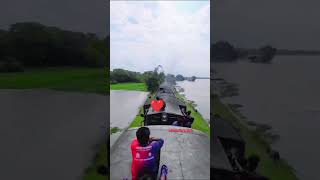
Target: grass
[
  {"x": 114, "y": 130},
  {"x": 256, "y": 144},
  {"x": 199, "y": 122},
  {"x": 93, "y": 80},
  {"x": 101, "y": 159},
  {"x": 129, "y": 86},
  {"x": 138, "y": 120}
]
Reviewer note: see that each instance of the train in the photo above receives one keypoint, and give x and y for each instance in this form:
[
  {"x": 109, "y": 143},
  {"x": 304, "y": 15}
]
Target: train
[
  {"x": 186, "y": 151},
  {"x": 174, "y": 110}
]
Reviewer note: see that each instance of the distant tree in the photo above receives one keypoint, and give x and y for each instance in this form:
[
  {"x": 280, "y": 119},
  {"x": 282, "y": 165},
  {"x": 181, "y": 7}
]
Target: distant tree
[
  {"x": 34, "y": 44},
  {"x": 121, "y": 76},
  {"x": 268, "y": 52},
  {"x": 179, "y": 77},
  {"x": 224, "y": 51},
  {"x": 153, "y": 79},
  {"x": 193, "y": 78},
  {"x": 10, "y": 64},
  {"x": 170, "y": 78}
]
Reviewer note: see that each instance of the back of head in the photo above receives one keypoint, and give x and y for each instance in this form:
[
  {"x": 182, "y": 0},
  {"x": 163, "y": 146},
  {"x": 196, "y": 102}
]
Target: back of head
[{"x": 143, "y": 134}]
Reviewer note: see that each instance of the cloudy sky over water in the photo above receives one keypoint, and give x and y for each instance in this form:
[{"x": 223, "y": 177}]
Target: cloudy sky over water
[
  {"x": 175, "y": 34},
  {"x": 75, "y": 15},
  {"x": 292, "y": 24}
]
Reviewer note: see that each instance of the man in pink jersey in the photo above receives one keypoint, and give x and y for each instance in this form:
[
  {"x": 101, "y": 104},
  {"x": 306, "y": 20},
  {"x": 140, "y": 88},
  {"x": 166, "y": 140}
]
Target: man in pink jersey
[{"x": 145, "y": 154}]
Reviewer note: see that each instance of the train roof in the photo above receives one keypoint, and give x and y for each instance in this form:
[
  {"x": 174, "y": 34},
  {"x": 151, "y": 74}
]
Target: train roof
[
  {"x": 172, "y": 105},
  {"x": 187, "y": 155}
]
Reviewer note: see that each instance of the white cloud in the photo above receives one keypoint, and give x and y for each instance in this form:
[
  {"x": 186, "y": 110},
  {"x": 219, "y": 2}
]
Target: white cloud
[{"x": 145, "y": 34}]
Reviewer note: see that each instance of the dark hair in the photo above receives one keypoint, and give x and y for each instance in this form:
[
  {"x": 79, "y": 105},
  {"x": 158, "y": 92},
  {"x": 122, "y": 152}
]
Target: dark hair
[
  {"x": 143, "y": 134},
  {"x": 157, "y": 98}
]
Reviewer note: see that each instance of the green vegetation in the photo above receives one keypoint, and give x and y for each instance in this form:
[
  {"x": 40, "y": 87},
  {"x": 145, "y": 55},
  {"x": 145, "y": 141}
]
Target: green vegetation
[
  {"x": 31, "y": 44},
  {"x": 152, "y": 79},
  {"x": 92, "y": 80},
  {"x": 129, "y": 86},
  {"x": 138, "y": 120},
  {"x": 255, "y": 144},
  {"x": 199, "y": 122},
  {"x": 100, "y": 160},
  {"x": 114, "y": 130}
]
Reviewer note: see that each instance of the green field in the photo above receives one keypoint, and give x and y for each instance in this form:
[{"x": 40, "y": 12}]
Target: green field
[
  {"x": 93, "y": 80},
  {"x": 255, "y": 144},
  {"x": 129, "y": 86}
]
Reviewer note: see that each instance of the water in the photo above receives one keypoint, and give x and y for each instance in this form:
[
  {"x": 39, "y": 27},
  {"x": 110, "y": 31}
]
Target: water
[
  {"x": 199, "y": 92},
  {"x": 124, "y": 106},
  {"x": 49, "y": 134},
  {"x": 284, "y": 94}
]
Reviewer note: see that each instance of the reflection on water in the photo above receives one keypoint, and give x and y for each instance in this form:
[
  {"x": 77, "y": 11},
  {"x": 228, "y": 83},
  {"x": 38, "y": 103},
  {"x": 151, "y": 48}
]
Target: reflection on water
[
  {"x": 199, "y": 92},
  {"x": 284, "y": 94},
  {"x": 124, "y": 106}
]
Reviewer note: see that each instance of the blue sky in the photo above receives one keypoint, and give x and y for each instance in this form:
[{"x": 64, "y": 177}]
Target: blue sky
[{"x": 175, "y": 34}]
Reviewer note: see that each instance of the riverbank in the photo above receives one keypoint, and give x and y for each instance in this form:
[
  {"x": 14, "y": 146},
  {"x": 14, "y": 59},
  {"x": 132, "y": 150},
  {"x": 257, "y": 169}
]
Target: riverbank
[
  {"x": 255, "y": 144},
  {"x": 79, "y": 79},
  {"x": 129, "y": 86}
]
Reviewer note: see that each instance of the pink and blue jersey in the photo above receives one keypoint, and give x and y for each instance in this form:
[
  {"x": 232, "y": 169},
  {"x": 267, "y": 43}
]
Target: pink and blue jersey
[{"x": 144, "y": 159}]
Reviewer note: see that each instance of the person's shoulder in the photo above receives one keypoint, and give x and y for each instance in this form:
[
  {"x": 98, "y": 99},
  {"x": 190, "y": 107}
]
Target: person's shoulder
[
  {"x": 134, "y": 142},
  {"x": 160, "y": 141}
]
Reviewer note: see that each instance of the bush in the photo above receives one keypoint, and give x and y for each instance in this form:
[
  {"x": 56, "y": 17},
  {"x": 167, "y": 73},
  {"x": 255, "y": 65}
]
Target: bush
[{"x": 10, "y": 64}]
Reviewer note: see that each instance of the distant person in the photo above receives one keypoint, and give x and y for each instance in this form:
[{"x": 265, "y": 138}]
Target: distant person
[
  {"x": 189, "y": 119},
  {"x": 145, "y": 154},
  {"x": 164, "y": 103},
  {"x": 179, "y": 122}
]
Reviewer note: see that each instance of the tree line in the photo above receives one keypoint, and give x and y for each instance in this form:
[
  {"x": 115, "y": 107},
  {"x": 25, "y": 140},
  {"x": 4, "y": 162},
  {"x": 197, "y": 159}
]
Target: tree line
[
  {"x": 224, "y": 51},
  {"x": 31, "y": 44},
  {"x": 152, "y": 79}
]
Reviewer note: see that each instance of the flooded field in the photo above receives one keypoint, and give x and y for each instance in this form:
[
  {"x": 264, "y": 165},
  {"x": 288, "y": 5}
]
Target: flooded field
[
  {"x": 49, "y": 134},
  {"x": 285, "y": 95},
  {"x": 199, "y": 92},
  {"x": 124, "y": 106}
]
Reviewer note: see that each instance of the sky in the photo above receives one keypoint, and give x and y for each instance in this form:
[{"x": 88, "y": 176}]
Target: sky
[
  {"x": 292, "y": 24},
  {"x": 76, "y": 15},
  {"x": 174, "y": 34}
]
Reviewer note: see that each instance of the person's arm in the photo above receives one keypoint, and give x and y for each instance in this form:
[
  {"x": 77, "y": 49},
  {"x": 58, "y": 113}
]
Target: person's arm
[{"x": 158, "y": 141}]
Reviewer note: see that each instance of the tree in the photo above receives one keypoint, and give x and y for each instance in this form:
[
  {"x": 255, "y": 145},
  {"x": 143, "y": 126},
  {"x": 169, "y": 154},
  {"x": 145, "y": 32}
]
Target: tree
[
  {"x": 268, "y": 52},
  {"x": 153, "y": 79},
  {"x": 179, "y": 77},
  {"x": 224, "y": 51},
  {"x": 34, "y": 44}
]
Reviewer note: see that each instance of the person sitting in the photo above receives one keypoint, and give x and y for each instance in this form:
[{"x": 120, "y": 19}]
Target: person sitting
[
  {"x": 145, "y": 154},
  {"x": 164, "y": 103},
  {"x": 189, "y": 119}
]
